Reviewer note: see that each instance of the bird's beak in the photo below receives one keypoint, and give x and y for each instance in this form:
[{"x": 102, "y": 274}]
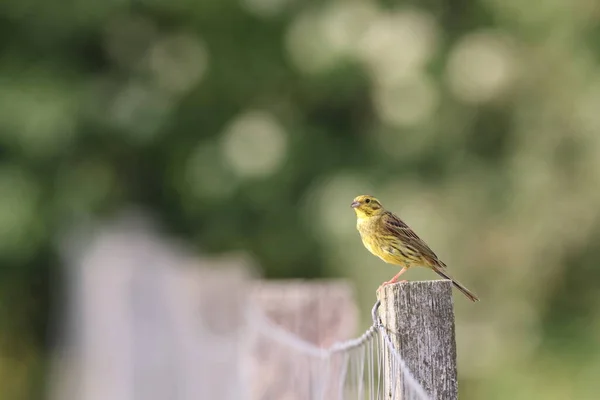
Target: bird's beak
[{"x": 355, "y": 204}]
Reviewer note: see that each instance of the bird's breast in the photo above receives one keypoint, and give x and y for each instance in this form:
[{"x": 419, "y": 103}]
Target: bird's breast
[
  {"x": 372, "y": 240},
  {"x": 367, "y": 234}
]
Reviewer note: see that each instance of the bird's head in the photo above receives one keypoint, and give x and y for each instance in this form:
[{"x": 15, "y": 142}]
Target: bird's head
[{"x": 366, "y": 206}]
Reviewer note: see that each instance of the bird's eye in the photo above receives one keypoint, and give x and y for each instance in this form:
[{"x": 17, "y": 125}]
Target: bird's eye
[{"x": 367, "y": 201}]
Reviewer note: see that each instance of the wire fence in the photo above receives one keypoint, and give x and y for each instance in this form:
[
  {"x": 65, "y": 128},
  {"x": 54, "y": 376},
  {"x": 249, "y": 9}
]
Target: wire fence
[
  {"x": 143, "y": 320},
  {"x": 367, "y": 367}
]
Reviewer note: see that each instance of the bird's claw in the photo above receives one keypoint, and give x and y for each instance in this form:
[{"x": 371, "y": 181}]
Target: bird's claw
[{"x": 389, "y": 283}]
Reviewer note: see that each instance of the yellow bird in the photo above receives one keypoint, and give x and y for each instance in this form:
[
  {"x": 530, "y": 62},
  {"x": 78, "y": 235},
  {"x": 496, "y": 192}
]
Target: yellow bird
[{"x": 389, "y": 238}]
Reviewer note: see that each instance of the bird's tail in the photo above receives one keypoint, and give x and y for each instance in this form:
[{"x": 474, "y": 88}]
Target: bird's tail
[{"x": 458, "y": 285}]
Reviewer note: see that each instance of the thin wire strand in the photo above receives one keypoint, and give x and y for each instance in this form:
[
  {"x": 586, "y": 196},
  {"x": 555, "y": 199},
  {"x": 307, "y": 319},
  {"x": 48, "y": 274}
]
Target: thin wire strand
[
  {"x": 361, "y": 373},
  {"x": 258, "y": 320}
]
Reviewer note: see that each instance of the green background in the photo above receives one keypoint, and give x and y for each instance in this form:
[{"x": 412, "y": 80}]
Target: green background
[{"x": 250, "y": 125}]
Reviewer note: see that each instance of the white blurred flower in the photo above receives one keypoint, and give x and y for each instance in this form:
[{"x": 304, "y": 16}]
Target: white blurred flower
[
  {"x": 254, "y": 144},
  {"x": 480, "y": 67}
]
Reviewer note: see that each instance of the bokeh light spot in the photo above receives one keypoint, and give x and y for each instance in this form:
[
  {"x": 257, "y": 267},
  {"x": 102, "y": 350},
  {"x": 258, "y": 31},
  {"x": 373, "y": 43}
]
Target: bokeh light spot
[
  {"x": 178, "y": 62},
  {"x": 398, "y": 45},
  {"x": 254, "y": 144},
  {"x": 140, "y": 110},
  {"x": 305, "y": 46},
  {"x": 38, "y": 116},
  {"x": 480, "y": 67},
  {"x": 407, "y": 103},
  {"x": 320, "y": 38}
]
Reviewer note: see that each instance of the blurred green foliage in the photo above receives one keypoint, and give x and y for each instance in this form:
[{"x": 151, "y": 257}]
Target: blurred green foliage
[{"x": 251, "y": 124}]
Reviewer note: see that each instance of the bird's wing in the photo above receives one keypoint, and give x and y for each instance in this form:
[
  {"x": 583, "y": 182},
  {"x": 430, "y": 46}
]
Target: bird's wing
[{"x": 396, "y": 227}]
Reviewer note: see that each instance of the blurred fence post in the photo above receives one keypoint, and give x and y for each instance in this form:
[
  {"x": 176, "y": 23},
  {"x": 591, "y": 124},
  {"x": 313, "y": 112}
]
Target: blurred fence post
[
  {"x": 419, "y": 320},
  {"x": 146, "y": 321},
  {"x": 320, "y": 313}
]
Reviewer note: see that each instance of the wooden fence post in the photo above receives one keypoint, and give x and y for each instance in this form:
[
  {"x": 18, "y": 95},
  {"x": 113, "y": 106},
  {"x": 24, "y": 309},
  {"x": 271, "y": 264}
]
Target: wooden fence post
[
  {"x": 147, "y": 321},
  {"x": 419, "y": 320},
  {"x": 317, "y": 312}
]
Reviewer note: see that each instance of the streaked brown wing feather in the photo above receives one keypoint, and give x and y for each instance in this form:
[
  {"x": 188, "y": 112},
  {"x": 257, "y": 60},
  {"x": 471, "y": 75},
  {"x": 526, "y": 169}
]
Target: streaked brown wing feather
[{"x": 396, "y": 227}]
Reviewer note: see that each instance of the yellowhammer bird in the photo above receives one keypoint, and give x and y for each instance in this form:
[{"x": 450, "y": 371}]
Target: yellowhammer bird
[{"x": 389, "y": 238}]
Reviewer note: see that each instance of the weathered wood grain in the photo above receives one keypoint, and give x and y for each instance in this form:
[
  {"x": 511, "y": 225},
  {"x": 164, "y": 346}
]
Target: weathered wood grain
[{"x": 419, "y": 319}]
